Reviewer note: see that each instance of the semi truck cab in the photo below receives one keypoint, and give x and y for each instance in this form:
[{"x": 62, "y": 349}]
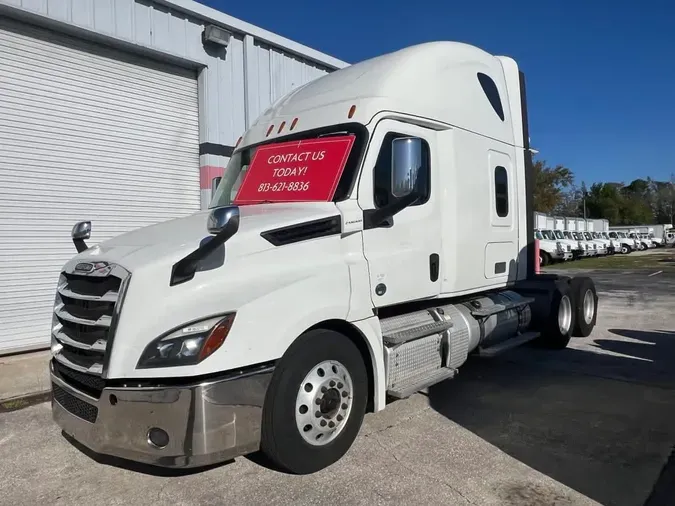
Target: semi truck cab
[{"x": 372, "y": 230}]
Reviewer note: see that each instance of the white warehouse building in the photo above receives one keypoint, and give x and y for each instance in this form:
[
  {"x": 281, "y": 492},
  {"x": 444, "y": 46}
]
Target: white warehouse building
[{"x": 121, "y": 112}]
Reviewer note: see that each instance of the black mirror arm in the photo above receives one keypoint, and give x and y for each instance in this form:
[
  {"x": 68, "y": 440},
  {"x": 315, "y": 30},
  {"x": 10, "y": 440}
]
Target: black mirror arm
[
  {"x": 184, "y": 270},
  {"x": 374, "y": 218}
]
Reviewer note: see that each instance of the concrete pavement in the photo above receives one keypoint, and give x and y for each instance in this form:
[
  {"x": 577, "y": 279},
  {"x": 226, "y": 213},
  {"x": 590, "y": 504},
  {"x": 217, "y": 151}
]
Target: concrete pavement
[
  {"x": 24, "y": 374},
  {"x": 588, "y": 425}
]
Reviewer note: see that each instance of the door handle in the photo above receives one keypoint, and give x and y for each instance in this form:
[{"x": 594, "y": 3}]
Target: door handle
[{"x": 434, "y": 267}]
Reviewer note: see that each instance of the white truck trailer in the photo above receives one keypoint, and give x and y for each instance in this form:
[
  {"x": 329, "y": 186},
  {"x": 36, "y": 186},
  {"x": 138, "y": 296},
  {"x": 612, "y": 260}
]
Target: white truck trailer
[{"x": 372, "y": 229}]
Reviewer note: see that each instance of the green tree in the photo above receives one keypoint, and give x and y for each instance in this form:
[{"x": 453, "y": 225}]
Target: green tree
[
  {"x": 549, "y": 186},
  {"x": 604, "y": 201},
  {"x": 637, "y": 203}
]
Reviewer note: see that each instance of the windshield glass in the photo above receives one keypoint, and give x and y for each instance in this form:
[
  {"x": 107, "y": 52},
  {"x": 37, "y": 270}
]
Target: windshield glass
[
  {"x": 568, "y": 235},
  {"x": 539, "y": 235},
  {"x": 548, "y": 235},
  {"x": 587, "y": 236},
  {"x": 289, "y": 173},
  {"x": 558, "y": 234}
]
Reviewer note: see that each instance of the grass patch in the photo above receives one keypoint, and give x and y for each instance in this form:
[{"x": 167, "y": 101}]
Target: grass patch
[{"x": 660, "y": 260}]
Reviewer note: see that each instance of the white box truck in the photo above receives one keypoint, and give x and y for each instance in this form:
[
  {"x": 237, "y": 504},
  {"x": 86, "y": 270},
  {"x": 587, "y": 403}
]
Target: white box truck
[{"x": 372, "y": 230}]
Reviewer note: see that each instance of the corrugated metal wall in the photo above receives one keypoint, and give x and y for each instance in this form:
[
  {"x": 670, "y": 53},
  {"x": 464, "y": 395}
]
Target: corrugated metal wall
[{"x": 222, "y": 84}]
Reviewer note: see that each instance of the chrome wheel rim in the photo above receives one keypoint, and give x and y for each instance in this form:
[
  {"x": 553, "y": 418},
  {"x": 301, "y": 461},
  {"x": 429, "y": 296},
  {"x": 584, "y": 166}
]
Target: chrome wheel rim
[
  {"x": 324, "y": 402},
  {"x": 589, "y": 306},
  {"x": 565, "y": 315}
]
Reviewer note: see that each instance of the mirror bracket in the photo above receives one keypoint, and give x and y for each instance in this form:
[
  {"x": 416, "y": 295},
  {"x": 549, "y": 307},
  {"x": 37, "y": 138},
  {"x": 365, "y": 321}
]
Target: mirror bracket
[{"x": 222, "y": 224}]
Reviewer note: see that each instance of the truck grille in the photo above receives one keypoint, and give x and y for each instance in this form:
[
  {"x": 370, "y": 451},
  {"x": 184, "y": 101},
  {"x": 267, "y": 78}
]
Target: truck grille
[
  {"x": 72, "y": 404},
  {"x": 86, "y": 309}
]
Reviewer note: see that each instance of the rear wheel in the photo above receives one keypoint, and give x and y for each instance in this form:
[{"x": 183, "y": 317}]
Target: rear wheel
[
  {"x": 586, "y": 305},
  {"x": 556, "y": 328},
  {"x": 315, "y": 404}
]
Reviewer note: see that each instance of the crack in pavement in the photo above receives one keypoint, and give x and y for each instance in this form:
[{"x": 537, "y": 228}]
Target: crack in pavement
[{"x": 421, "y": 475}]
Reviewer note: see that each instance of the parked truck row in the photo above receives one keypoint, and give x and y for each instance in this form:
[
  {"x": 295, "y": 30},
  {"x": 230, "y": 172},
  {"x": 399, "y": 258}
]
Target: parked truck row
[{"x": 562, "y": 238}]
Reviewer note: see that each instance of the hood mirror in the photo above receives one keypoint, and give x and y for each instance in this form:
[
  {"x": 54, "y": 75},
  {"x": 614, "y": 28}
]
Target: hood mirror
[
  {"x": 81, "y": 231},
  {"x": 222, "y": 223},
  {"x": 223, "y": 219}
]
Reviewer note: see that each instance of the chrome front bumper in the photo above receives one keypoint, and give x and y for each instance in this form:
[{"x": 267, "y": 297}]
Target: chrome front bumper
[{"x": 206, "y": 423}]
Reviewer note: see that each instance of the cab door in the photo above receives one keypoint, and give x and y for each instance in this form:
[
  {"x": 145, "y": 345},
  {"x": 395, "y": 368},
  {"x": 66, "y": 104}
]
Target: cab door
[{"x": 403, "y": 253}]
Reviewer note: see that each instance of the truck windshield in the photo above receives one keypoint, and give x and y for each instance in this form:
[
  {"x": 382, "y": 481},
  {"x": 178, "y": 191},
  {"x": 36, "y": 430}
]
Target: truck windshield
[
  {"x": 559, "y": 234},
  {"x": 548, "y": 235},
  {"x": 317, "y": 165},
  {"x": 538, "y": 235}
]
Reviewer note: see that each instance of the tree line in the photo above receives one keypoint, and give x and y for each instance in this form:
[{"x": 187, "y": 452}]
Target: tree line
[{"x": 641, "y": 202}]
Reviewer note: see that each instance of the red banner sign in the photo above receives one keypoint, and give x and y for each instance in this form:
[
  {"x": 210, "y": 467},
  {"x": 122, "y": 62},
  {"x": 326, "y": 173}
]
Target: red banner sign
[{"x": 298, "y": 171}]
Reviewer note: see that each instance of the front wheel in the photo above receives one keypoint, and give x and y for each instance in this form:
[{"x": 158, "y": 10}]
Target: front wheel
[
  {"x": 315, "y": 404},
  {"x": 625, "y": 249}
]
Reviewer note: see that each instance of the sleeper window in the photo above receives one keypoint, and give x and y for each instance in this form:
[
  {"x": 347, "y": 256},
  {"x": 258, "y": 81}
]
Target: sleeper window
[{"x": 501, "y": 192}]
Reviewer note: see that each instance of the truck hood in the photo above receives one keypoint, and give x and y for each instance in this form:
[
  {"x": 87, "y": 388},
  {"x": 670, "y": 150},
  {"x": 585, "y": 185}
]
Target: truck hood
[{"x": 173, "y": 239}]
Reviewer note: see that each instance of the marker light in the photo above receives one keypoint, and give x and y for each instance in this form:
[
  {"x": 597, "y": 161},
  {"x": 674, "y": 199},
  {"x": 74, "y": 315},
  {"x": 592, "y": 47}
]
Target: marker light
[
  {"x": 352, "y": 110},
  {"x": 269, "y": 130},
  {"x": 295, "y": 122},
  {"x": 281, "y": 127}
]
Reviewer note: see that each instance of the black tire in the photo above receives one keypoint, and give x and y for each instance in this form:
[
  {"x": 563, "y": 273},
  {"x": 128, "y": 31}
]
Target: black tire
[
  {"x": 544, "y": 259},
  {"x": 281, "y": 440},
  {"x": 583, "y": 287},
  {"x": 561, "y": 300},
  {"x": 625, "y": 249}
]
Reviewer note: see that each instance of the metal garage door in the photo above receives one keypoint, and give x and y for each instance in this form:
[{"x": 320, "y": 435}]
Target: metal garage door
[{"x": 85, "y": 133}]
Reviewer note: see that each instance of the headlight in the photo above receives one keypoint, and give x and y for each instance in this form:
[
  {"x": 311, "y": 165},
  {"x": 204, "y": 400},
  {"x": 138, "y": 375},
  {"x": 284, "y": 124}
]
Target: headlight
[
  {"x": 559, "y": 246},
  {"x": 188, "y": 345}
]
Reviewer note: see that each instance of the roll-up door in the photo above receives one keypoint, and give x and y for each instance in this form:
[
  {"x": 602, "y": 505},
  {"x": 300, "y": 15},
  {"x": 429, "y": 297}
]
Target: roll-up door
[{"x": 86, "y": 133}]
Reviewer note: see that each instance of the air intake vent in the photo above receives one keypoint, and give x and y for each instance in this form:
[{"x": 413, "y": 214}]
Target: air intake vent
[{"x": 304, "y": 231}]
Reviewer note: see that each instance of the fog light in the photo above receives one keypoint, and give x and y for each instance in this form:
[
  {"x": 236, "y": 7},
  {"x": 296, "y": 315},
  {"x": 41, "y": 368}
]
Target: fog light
[{"x": 158, "y": 438}]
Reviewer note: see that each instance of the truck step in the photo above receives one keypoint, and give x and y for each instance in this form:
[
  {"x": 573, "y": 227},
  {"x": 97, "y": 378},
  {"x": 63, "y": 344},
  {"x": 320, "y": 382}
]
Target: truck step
[
  {"x": 499, "y": 308},
  {"x": 404, "y": 328},
  {"x": 498, "y": 349},
  {"x": 416, "y": 384}
]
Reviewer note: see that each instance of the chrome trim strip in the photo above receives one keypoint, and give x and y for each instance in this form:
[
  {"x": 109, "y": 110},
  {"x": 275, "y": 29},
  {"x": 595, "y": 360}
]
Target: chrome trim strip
[
  {"x": 98, "y": 346},
  {"x": 124, "y": 287},
  {"x": 95, "y": 369},
  {"x": 103, "y": 321},
  {"x": 110, "y": 296}
]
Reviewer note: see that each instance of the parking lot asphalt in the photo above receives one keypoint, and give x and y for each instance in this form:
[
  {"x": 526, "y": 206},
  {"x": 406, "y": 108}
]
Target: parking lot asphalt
[{"x": 592, "y": 424}]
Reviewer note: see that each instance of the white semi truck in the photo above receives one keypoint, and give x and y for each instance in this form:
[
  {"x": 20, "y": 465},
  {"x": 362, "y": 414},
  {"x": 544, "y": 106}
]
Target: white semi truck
[{"x": 372, "y": 229}]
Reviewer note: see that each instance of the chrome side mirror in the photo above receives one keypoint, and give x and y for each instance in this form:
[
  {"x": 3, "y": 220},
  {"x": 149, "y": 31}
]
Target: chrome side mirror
[
  {"x": 223, "y": 219},
  {"x": 81, "y": 231},
  {"x": 406, "y": 162}
]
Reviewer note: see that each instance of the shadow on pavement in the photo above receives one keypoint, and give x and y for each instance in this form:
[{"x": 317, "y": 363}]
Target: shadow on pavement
[{"x": 599, "y": 423}]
